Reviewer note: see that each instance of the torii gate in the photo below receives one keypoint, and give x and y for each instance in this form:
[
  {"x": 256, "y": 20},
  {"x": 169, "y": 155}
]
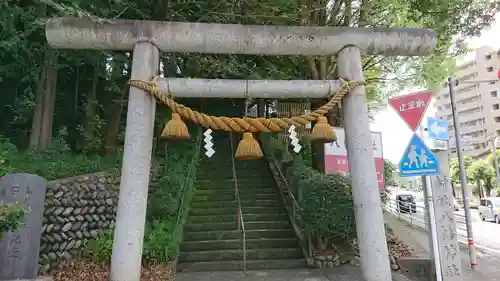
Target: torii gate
[{"x": 147, "y": 38}]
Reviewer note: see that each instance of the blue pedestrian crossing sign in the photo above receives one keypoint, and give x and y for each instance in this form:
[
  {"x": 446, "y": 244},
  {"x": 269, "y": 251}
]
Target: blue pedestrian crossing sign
[
  {"x": 438, "y": 128},
  {"x": 418, "y": 160}
]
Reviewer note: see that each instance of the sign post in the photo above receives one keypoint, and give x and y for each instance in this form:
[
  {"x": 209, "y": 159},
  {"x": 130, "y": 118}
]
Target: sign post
[
  {"x": 411, "y": 108},
  {"x": 419, "y": 160},
  {"x": 438, "y": 129}
]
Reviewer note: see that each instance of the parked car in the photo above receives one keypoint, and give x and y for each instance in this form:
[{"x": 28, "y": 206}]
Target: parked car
[
  {"x": 489, "y": 209},
  {"x": 405, "y": 203}
]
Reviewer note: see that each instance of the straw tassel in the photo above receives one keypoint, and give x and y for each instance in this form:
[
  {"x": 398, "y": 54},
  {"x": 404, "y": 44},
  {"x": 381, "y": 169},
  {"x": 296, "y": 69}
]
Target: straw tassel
[
  {"x": 322, "y": 131},
  {"x": 176, "y": 128},
  {"x": 248, "y": 148}
]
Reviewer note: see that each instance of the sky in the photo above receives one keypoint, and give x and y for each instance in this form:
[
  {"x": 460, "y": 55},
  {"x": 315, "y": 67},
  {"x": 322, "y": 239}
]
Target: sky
[{"x": 395, "y": 133}]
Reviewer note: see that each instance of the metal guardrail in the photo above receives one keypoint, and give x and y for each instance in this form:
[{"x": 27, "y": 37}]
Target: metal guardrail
[
  {"x": 241, "y": 223},
  {"x": 419, "y": 217},
  {"x": 191, "y": 169},
  {"x": 291, "y": 203}
]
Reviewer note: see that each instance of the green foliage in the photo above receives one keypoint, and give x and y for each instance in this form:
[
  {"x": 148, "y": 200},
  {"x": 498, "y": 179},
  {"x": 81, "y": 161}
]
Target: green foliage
[
  {"x": 91, "y": 96},
  {"x": 168, "y": 202},
  {"x": 483, "y": 175},
  {"x": 389, "y": 168},
  {"x": 54, "y": 163},
  {"x": 11, "y": 216},
  {"x": 172, "y": 169},
  {"x": 491, "y": 158},
  {"x": 455, "y": 168},
  {"x": 281, "y": 152},
  {"x": 385, "y": 197},
  {"x": 326, "y": 205},
  {"x": 100, "y": 249},
  {"x": 170, "y": 193},
  {"x": 162, "y": 240}
]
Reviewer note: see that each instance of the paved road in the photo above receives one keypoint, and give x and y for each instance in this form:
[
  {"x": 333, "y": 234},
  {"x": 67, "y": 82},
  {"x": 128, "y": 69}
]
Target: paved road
[{"x": 486, "y": 233}]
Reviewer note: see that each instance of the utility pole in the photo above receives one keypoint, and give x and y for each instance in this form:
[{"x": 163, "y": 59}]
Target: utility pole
[
  {"x": 495, "y": 158},
  {"x": 452, "y": 83}
]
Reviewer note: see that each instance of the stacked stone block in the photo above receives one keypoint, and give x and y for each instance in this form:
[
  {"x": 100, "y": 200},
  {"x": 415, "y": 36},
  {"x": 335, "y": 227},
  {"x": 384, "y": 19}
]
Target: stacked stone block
[{"x": 77, "y": 209}]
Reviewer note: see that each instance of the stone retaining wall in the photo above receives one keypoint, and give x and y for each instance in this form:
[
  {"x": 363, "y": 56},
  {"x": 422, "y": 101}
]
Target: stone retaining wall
[{"x": 76, "y": 209}]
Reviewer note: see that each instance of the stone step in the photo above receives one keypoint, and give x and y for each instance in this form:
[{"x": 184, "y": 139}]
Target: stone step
[
  {"x": 236, "y": 234},
  {"x": 226, "y": 164},
  {"x": 234, "y": 218},
  {"x": 275, "y": 201},
  {"x": 228, "y": 175},
  {"x": 230, "y": 196},
  {"x": 269, "y": 191},
  {"x": 228, "y": 168},
  {"x": 212, "y": 211},
  {"x": 231, "y": 255},
  {"x": 234, "y": 204},
  {"x": 249, "y": 225},
  {"x": 229, "y": 184},
  {"x": 213, "y": 204},
  {"x": 213, "y": 219},
  {"x": 238, "y": 265},
  {"x": 263, "y": 210},
  {"x": 236, "y": 244}
]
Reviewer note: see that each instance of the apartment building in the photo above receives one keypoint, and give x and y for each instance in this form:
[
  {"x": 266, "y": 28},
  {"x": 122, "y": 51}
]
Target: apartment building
[{"x": 478, "y": 105}]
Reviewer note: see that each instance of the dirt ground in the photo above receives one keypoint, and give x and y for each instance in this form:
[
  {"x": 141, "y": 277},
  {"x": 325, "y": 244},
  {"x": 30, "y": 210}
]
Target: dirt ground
[{"x": 84, "y": 270}]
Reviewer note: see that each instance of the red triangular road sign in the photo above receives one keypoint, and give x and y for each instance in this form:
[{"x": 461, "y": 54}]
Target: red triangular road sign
[{"x": 411, "y": 108}]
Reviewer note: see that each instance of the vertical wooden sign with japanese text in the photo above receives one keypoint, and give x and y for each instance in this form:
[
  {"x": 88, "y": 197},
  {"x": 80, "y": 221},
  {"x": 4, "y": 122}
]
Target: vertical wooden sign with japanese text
[
  {"x": 19, "y": 249},
  {"x": 446, "y": 226}
]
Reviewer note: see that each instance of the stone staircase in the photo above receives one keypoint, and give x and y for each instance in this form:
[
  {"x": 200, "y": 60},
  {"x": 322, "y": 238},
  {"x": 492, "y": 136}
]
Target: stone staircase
[{"x": 212, "y": 240}]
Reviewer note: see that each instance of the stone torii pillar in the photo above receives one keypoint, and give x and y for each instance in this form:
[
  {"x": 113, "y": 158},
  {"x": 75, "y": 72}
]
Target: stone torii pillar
[{"x": 147, "y": 38}]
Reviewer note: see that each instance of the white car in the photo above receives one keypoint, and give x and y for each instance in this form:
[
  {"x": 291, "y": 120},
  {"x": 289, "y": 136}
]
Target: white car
[{"x": 489, "y": 209}]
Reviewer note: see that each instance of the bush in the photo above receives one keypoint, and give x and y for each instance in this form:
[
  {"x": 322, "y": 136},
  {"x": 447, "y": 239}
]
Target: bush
[
  {"x": 169, "y": 196},
  {"x": 54, "y": 163},
  {"x": 99, "y": 250},
  {"x": 326, "y": 204},
  {"x": 11, "y": 216},
  {"x": 162, "y": 240},
  {"x": 168, "y": 202}
]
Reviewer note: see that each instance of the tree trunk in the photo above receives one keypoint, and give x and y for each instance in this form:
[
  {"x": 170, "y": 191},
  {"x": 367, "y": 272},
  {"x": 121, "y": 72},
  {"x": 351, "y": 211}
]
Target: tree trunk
[
  {"x": 115, "y": 109},
  {"x": 74, "y": 135},
  {"x": 487, "y": 191},
  {"x": 481, "y": 195},
  {"x": 261, "y": 107},
  {"x": 41, "y": 128},
  {"x": 112, "y": 126},
  {"x": 90, "y": 110}
]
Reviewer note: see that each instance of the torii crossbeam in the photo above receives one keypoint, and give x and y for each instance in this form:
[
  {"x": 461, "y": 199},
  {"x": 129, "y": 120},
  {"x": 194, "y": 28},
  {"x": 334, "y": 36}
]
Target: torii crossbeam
[{"x": 147, "y": 38}]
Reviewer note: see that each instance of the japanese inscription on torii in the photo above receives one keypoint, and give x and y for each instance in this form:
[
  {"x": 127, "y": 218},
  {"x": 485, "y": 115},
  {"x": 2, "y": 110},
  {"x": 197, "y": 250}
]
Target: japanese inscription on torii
[{"x": 446, "y": 225}]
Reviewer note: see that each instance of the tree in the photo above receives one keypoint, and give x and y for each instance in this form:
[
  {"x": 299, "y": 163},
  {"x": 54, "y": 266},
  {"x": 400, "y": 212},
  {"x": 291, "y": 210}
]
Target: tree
[
  {"x": 491, "y": 158},
  {"x": 455, "y": 169},
  {"x": 483, "y": 175},
  {"x": 450, "y": 20},
  {"x": 45, "y": 91},
  {"x": 389, "y": 168}
]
